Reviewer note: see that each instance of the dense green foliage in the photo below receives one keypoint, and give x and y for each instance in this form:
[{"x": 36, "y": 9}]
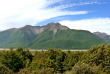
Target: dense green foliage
[
  {"x": 12, "y": 60},
  {"x": 63, "y": 39},
  {"x": 55, "y": 60},
  {"x": 94, "y": 61},
  {"x": 5, "y": 70},
  {"x": 46, "y": 62},
  {"x": 16, "y": 60}
]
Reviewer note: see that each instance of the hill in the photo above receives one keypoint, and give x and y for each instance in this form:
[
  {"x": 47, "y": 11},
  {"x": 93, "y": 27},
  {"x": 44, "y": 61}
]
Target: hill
[
  {"x": 52, "y": 34},
  {"x": 104, "y": 36}
]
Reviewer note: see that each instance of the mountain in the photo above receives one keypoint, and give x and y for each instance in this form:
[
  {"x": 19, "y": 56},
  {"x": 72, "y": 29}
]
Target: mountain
[
  {"x": 52, "y": 34},
  {"x": 104, "y": 36}
]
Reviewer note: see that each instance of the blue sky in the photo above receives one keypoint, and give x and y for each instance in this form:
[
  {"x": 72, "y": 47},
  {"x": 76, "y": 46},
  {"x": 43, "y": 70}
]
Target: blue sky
[{"x": 92, "y": 15}]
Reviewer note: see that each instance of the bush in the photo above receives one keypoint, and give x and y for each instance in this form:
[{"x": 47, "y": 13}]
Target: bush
[
  {"x": 4, "y": 70},
  {"x": 43, "y": 71},
  {"x": 24, "y": 71},
  {"x": 95, "y": 61},
  {"x": 83, "y": 68},
  {"x": 12, "y": 61}
]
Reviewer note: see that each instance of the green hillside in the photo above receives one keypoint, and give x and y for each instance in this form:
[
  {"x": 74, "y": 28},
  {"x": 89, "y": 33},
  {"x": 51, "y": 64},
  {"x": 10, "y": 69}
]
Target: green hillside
[
  {"x": 53, "y": 34},
  {"x": 65, "y": 39},
  {"x": 15, "y": 38}
]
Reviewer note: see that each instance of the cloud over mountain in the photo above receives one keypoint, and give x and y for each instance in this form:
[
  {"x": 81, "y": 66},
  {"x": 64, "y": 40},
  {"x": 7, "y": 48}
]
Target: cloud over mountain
[
  {"x": 19, "y": 13},
  {"x": 93, "y": 25},
  {"x": 15, "y": 14}
]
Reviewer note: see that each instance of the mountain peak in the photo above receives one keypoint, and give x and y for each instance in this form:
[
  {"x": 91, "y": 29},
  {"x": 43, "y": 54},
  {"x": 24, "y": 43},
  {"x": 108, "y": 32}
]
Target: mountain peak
[
  {"x": 55, "y": 26},
  {"x": 39, "y": 29},
  {"x": 102, "y": 35},
  {"x": 51, "y": 26},
  {"x": 27, "y": 26}
]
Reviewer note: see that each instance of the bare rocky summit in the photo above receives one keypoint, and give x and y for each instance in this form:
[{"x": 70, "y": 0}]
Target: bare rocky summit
[
  {"x": 40, "y": 29},
  {"x": 102, "y": 35}
]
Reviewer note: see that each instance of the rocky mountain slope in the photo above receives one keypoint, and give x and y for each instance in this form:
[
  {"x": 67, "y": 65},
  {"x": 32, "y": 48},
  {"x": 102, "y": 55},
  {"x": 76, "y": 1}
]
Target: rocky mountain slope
[
  {"x": 103, "y": 35},
  {"x": 52, "y": 34}
]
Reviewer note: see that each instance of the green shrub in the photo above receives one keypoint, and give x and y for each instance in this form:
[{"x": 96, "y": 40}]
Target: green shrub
[
  {"x": 12, "y": 61},
  {"x": 4, "y": 70},
  {"x": 24, "y": 71}
]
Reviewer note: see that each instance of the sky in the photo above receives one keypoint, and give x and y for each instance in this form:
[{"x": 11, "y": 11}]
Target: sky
[{"x": 91, "y": 15}]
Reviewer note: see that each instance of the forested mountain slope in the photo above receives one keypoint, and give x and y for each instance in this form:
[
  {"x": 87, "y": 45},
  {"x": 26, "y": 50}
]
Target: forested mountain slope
[{"x": 52, "y": 34}]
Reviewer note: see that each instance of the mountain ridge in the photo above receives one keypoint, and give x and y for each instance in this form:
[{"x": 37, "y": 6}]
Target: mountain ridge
[
  {"x": 40, "y": 29},
  {"x": 103, "y": 35},
  {"x": 52, "y": 34}
]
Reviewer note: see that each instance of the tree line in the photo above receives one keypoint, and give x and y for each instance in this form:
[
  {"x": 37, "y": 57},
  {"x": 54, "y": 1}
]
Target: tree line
[
  {"x": 22, "y": 61},
  {"x": 55, "y": 61}
]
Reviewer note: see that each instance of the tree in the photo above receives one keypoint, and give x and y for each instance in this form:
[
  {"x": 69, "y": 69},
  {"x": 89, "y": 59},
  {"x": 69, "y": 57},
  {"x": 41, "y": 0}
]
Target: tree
[
  {"x": 25, "y": 55},
  {"x": 95, "y": 61},
  {"x": 38, "y": 61},
  {"x": 12, "y": 60},
  {"x": 71, "y": 59},
  {"x": 60, "y": 57},
  {"x": 4, "y": 70}
]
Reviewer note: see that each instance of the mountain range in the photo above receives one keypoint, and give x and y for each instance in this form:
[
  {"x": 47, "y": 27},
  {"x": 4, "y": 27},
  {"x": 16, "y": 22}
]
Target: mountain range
[
  {"x": 52, "y": 34},
  {"x": 103, "y": 35}
]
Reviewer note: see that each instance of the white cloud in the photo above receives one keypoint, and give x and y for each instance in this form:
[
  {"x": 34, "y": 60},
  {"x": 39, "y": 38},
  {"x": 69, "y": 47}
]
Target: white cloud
[
  {"x": 77, "y": 4},
  {"x": 17, "y": 13},
  {"x": 93, "y": 25}
]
